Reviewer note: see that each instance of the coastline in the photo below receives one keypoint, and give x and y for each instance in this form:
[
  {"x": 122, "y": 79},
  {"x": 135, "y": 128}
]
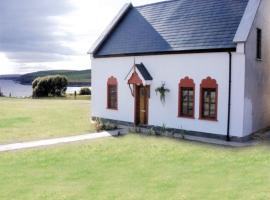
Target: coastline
[
  {"x": 15, "y": 89},
  {"x": 70, "y": 84}
]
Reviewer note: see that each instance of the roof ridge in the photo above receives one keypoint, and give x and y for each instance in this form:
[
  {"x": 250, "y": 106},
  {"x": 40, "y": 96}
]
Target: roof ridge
[{"x": 160, "y": 2}]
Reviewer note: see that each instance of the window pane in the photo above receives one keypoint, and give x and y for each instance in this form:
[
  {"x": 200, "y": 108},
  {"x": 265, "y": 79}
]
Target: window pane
[
  {"x": 184, "y": 95},
  {"x": 213, "y": 96},
  {"x": 206, "y": 96},
  {"x": 190, "y": 109},
  {"x": 212, "y": 110},
  {"x": 206, "y": 106},
  {"x": 191, "y": 95},
  {"x": 184, "y": 108},
  {"x": 112, "y": 96},
  {"x": 206, "y": 113},
  {"x": 142, "y": 92},
  {"x": 185, "y": 92}
]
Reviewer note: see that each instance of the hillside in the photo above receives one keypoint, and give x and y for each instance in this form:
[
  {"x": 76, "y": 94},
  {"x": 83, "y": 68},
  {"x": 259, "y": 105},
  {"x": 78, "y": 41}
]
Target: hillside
[
  {"x": 10, "y": 77},
  {"x": 75, "y": 78}
]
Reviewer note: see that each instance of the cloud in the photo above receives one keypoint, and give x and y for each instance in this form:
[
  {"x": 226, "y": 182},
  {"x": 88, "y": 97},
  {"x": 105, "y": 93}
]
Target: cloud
[
  {"x": 30, "y": 32},
  {"x": 52, "y": 34},
  {"x": 35, "y": 57},
  {"x": 26, "y": 68}
]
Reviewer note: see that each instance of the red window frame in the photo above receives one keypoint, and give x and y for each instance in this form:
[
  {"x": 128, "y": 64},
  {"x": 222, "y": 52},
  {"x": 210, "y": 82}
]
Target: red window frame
[
  {"x": 208, "y": 85},
  {"x": 112, "y": 84},
  {"x": 186, "y": 84}
]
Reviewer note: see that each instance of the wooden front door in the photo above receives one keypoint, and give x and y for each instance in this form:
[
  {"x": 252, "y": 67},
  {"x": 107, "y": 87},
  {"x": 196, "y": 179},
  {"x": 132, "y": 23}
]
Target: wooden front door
[{"x": 141, "y": 105}]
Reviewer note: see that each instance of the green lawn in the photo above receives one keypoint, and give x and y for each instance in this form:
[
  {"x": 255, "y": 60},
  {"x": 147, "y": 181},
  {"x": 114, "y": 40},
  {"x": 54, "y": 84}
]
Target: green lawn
[
  {"x": 28, "y": 119},
  {"x": 131, "y": 167},
  {"x": 135, "y": 167}
]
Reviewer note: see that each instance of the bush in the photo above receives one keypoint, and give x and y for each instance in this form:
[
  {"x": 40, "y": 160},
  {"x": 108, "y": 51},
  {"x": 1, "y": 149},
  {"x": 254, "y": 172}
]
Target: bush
[
  {"x": 85, "y": 91},
  {"x": 1, "y": 93},
  {"x": 101, "y": 126},
  {"x": 50, "y": 86}
]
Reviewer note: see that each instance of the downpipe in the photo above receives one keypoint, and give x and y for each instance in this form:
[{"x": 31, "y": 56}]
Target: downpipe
[{"x": 228, "y": 138}]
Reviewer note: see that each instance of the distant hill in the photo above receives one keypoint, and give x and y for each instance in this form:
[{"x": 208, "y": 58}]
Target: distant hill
[
  {"x": 75, "y": 78},
  {"x": 10, "y": 76}
]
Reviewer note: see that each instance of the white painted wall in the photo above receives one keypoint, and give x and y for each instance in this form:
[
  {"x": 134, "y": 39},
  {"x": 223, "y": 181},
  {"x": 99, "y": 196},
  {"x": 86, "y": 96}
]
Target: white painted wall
[
  {"x": 237, "y": 94},
  {"x": 257, "y": 73},
  {"x": 172, "y": 68}
]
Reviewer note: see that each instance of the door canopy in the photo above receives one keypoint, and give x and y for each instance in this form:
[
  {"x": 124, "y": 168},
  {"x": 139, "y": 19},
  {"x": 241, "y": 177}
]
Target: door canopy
[{"x": 139, "y": 75}]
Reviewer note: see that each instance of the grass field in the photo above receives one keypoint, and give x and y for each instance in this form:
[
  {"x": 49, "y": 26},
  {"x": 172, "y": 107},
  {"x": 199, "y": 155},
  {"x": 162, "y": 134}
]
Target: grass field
[
  {"x": 124, "y": 168},
  {"x": 136, "y": 168},
  {"x": 28, "y": 119}
]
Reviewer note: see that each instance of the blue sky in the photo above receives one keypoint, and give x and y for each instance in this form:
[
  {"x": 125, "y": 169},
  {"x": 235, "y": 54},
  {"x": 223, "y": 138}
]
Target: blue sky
[{"x": 52, "y": 34}]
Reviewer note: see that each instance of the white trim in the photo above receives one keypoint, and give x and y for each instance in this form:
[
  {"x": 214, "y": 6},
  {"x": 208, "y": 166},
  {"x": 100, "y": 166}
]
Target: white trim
[
  {"x": 240, "y": 48},
  {"x": 109, "y": 28},
  {"x": 247, "y": 21},
  {"x": 130, "y": 73},
  {"x": 141, "y": 77}
]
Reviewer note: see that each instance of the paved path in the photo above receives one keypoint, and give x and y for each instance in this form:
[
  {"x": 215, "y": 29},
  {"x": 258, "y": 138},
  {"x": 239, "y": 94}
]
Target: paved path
[
  {"x": 48, "y": 142},
  {"x": 104, "y": 134}
]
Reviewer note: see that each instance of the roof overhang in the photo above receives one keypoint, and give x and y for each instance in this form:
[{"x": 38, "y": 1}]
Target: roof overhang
[
  {"x": 246, "y": 22},
  {"x": 191, "y": 51},
  {"x": 108, "y": 30},
  {"x": 139, "y": 75}
]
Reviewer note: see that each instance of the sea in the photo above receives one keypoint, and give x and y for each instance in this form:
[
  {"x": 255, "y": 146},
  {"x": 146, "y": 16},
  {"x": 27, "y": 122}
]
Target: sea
[{"x": 15, "y": 89}]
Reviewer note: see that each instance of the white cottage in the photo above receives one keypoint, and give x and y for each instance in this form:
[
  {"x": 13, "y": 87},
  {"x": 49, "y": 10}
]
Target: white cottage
[{"x": 212, "y": 55}]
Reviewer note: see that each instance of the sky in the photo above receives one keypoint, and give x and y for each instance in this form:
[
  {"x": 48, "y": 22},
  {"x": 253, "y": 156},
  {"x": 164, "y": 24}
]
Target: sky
[{"x": 40, "y": 35}]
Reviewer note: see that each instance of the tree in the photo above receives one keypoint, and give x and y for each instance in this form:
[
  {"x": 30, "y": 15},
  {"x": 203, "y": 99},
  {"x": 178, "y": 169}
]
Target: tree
[{"x": 50, "y": 86}]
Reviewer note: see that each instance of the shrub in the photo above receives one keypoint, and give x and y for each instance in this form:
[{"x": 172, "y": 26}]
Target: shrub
[
  {"x": 85, "y": 91},
  {"x": 1, "y": 93},
  {"x": 49, "y": 86},
  {"x": 101, "y": 126}
]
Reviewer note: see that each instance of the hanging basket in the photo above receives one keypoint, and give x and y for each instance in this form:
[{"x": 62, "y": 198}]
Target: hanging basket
[{"x": 162, "y": 90}]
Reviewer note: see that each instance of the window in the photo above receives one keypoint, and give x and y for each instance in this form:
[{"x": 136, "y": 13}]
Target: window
[
  {"x": 186, "y": 98},
  {"x": 112, "y": 93},
  {"x": 259, "y": 43},
  {"x": 209, "y": 99},
  {"x": 187, "y": 102},
  {"x": 209, "y": 103}
]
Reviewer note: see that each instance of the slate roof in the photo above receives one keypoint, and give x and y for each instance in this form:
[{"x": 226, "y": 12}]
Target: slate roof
[
  {"x": 175, "y": 25},
  {"x": 144, "y": 72}
]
